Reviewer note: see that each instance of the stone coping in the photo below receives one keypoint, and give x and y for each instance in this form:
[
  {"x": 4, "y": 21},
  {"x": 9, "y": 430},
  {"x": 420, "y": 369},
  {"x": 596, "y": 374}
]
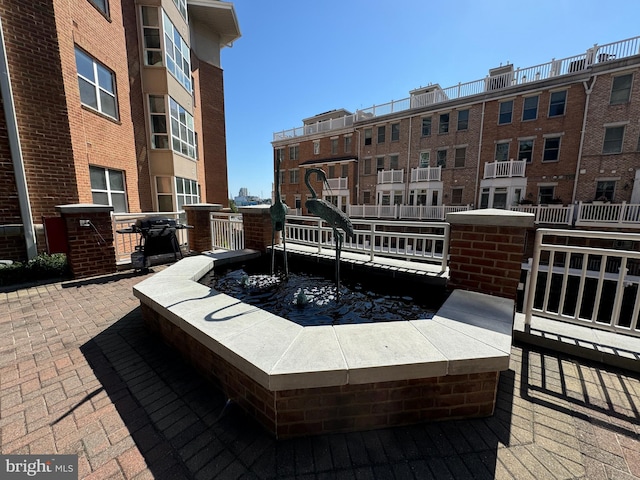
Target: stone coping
[
  {"x": 471, "y": 333},
  {"x": 492, "y": 216}
]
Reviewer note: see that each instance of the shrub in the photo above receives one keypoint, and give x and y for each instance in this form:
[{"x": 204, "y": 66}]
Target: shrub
[{"x": 42, "y": 267}]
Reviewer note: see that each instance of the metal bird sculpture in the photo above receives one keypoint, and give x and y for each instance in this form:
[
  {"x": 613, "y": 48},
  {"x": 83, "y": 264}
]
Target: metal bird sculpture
[
  {"x": 278, "y": 213},
  {"x": 335, "y": 217}
]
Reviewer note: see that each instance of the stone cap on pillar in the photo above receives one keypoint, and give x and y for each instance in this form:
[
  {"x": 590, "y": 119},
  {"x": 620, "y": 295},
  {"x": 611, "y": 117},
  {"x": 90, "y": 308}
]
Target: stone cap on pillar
[
  {"x": 208, "y": 207},
  {"x": 84, "y": 208},
  {"x": 255, "y": 209},
  {"x": 493, "y": 217}
]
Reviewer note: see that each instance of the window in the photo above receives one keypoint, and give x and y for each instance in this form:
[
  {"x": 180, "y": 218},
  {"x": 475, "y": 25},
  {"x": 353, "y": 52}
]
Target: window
[
  {"x": 332, "y": 171},
  {"x": 183, "y": 138},
  {"x": 557, "y": 103},
  {"x": 294, "y": 151},
  {"x": 107, "y": 188},
  {"x": 282, "y": 180},
  {"x": 181, "y": 5},
  {"x": 426, "y": 127},
  {"x": 621, "y": 89},
  {"x": 393, "y": 162},
  {"x": 186, "y": 192},
  {"x": 334, "y": 146},
  {"x": 379, "y": 164},
  {"x": 294, "y": 175},
  {"x": 165, "y": 194},
  {"x": 546, "y": 195},
  {"x": 444, "y": 123},
  {"x": 177, "y": 53},
  {"x": 502, "y": 152},
  {"x": 102, "y": 5},
  {"x": 463, "y": 119},
  {"x": 367, "y": 136},
  {"x": 395, "y": 132},
  {"x": 381, "y": 134},
  {"x": 530, "y": 108},
  {"x": 366, "y": 197},
  {"x": 151, "y": 36},
  {"x": 442, "y": 158},
  {"x": 506, "y": 111},
  {"x": 456, "y": 196},
  {"x": 279, "y": 154},
  {"x": 344, "y": 171},
  {"x": 525, "y": 150},
  {"x": 316, "y": 147},
  {"x": 460, "y": 155},
  {"x": 613, "y": 140},
  {"x": 158, "y": 119},
  {"x": 367, "y": 166},
  {"x": 97, "y": 85},
  {"x": 551, "y": 149},
  {"x": 605, "y": 190},
  {"x": 347, "y": 144},
  {"x": 424, "y": 159}
]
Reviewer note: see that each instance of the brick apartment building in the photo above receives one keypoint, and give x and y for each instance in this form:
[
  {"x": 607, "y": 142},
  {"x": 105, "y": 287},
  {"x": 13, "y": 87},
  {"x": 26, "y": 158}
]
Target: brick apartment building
[
  {"x": 116, "y": 102},
  {"x": 561, "y": 132}
]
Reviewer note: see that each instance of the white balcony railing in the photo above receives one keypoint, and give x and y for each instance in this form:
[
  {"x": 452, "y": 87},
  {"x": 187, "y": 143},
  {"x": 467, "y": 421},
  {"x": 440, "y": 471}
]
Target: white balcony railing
[
  {"x": 426, "y": 174},
  {"x": 548, "y": 214},
  {"x": 512, "y": 168},
  {"x": 390, "y": 176},
  {"x": 227, "y": 231},
  {"x": 595, "y": 286},
  {"x": 404, "y": 212},
  {"x": 338, "y": 183},
  {"x": 608, "y": 214}
]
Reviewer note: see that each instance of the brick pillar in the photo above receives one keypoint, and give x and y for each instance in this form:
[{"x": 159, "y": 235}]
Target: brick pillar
[
  {"x": 256, "y": 222},
  {"x": 199, "y": 217},
  {"x": 89, "y": 229},
  {"x": 486, "y": 250}
]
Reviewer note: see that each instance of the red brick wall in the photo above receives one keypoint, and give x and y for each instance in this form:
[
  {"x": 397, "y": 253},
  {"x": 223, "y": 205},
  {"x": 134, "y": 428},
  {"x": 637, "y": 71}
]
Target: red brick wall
[
  {"x": 200, "y": 237},
  {"x": 486, "y": 259},
  {"x": 257, "y": 229}
]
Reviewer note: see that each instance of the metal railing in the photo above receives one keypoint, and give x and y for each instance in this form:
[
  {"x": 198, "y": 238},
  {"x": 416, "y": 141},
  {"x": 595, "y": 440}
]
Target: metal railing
[
  {"x": 390, "y": 176},
  {"x": 595, "y": 55},
  {"x": 512, "y": 168},
  {"x": 426, "y": 174},
  {"x": 227, "y": 231},
  {"x": 406, "y": 240},
  {"x": 596, "y": 285},
  {"x": 125, "y": 243},
  {"x": 608, "y": 214},
  {"x": 405, "y": 212},
  {"x": 548, "y": 214}
]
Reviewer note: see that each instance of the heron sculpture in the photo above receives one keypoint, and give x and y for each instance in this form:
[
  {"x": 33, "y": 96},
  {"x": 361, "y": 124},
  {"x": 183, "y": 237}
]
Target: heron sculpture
[
  {"x": 335, "y": 217},
  {"x": 278, "y": 213}
]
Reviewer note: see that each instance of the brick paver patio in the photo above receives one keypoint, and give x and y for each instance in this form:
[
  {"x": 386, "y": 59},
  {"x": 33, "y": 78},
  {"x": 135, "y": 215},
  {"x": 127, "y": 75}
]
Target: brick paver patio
[{"x": 80, "y": 375}]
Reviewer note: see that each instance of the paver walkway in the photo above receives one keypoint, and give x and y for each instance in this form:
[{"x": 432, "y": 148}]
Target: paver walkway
[{"x": 80, "y": 375}]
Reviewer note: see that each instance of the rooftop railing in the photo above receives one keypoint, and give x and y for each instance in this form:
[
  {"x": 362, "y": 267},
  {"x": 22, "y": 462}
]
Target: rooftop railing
[{"x": 596, "y": 55}]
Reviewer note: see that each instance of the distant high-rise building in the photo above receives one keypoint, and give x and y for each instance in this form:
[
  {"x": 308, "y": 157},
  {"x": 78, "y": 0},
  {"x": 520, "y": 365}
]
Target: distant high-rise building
[{"x": 244, "y": 192}]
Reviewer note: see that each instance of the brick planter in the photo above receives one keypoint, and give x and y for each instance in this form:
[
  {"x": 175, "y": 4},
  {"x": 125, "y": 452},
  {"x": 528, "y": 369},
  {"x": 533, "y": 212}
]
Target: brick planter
[{"x": 199, "y": 217}]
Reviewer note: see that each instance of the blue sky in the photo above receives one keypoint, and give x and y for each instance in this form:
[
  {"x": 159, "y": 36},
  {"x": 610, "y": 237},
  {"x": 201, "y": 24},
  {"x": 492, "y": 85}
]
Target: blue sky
[{"x": 298, "y": 58}]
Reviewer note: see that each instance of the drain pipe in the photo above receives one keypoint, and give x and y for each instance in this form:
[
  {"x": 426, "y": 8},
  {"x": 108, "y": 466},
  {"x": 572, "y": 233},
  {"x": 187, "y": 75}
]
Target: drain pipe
[
  {"x": 16, "y": 151},
  {"x": 588, "y": 89},
  {"x": 476, "y": 199}
]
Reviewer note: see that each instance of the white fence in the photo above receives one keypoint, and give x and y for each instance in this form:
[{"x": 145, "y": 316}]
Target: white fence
[
  {"x": 227, "y": 231},
  {"x": 512, "y": 168},
  {"x": 426, "y": 174},
  {"x": 390, "y": 176},
  {"x": 125, "y": 243},
  {"x": 596, "y": 286},
  {"x": 405, "y": 212},
  {"x": 548, "y": 214},
  {"x": 608, "y": 214},
  {"x": 406, "y": 240}
]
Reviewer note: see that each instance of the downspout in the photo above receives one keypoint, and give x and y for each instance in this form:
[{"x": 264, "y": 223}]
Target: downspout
[
  {"x": 406, "y": 193},
  {"x": 475, "y": 197},
  {"x": 16, "y": 151},
  {"x": 587, "y": 90}
]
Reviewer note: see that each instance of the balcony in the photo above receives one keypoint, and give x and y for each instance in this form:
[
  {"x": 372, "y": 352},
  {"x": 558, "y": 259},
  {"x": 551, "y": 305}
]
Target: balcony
[
  {"x": 426, "y": 174},
  {"x": 338, "y": 183},
  {"x": 512, "y": 168},
  {"x": 390, "y": 176}
]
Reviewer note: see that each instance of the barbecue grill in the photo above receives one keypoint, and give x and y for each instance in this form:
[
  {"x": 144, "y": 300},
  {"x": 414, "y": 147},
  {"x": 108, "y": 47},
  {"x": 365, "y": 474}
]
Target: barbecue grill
[{"x": 158, "y": 241}]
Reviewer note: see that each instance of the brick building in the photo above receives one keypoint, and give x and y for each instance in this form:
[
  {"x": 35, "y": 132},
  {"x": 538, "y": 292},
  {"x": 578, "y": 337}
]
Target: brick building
[
  {"x": 556, "y": 133},
  {"x": 116, "y": 102}
]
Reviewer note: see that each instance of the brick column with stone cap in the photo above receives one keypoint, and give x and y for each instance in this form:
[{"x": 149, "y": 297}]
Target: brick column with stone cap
[
  {"x": 89, "y": 232},
  {"x": 486, "y": 250},
  {"x": 199, "y": 217},
  {"x": 256, "y": 221}
]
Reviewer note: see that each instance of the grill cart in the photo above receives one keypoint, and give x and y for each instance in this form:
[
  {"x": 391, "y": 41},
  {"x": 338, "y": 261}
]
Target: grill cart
[{"x": 158, "y": 241}]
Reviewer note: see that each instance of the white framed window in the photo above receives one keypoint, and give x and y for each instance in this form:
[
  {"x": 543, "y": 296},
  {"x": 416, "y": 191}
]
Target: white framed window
[
  {"x": 460, "y": 157},
  {"x": 621, "y": 89},
  {"x": 164, "y": 193},
  {"x": 347, "y": 144},
  {"x": 316, "y": 147},
  {"x": 181, "y": 5},
  {"x": 426, "y": 126},
  {"x": 97, "y": 85},
  {"x": 184, "y": 190},
  {"x": 441, "y": 158},
  {"x": 424, "y": 159},
  {"x": 183, "y": 138},
  {"x": 557, "y": 103},
  {"x": 525, "y": 150},
  {"x": 279, "y": 154},
  {"x": 530, "y": 108},
  {"x": 456, "y": 195},
  {"x": 443, "y": 123},
  {"x": 393, "y": 162},
  {"x": 334, "y": 146},
  {"x": 551, "y": 151},
  {"x": 613, "y": 139},
  {"x": 158, "y": 122},
  {"x": 506, "y": 112},
  {"x": 108, "y": 188},
  {"x": 502, "y": 152},
  {"x": 177, "y": 53},
  {"x": 294, "y": 152},
  {"x": 605, "y": 190},
  {"x": 151, "y": 35},
  {"x": 395, "y": 132},
  {"x": 294, "y": 176},
  {"x": 187, "y": 192},
  {"x": 463, "y": 120}
]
